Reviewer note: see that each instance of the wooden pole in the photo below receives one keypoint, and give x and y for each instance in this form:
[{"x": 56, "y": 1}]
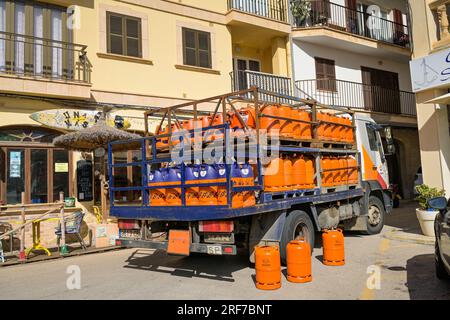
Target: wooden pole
[
  {"x": 63, "y": 246},
  {"x": 22, "y": 256},
  {"x": 104, "y": 191}
]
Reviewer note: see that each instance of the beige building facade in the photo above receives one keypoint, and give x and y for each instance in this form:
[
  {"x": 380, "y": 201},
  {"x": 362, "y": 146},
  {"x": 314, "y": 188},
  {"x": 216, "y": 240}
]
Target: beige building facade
[{"x": 430, "y": 56}]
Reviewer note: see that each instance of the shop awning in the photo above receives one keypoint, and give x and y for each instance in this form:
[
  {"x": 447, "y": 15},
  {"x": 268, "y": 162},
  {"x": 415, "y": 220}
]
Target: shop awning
[{"x": 444, "y": 99}]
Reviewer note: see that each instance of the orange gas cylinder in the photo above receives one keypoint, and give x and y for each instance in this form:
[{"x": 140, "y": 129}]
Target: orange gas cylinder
[
  {"x": 237, "y": 198},
  {"x": 336, "y": 166},
  {"x": 157, "y": 196},
  {"x": 208, "y": 195},
  {"x": 248, "y": 115},
  {"x": 175, "y": 135},
  {"x": 343, "y": 171},
  {"x": 296, "y": 126},
  {"x": 305, "y": 128},
  {"x": 298, "y": 260},
  {"x": 191, "y": 177},
  {"x": 333, "y": 247},
  {"x": 309, "y": 165},
  {"x": 164, "y": 141},
  {"x": 328, "y": 128},
  {"x": 288, "y": 174},
  {"x": 173, "y": 195},
  {"x": 349, "y": 131},
  {"x": 299, "y": 172},
  {"x": 286, "y": 128},
  {"x": 321, "y": 127},
  {"x": 342, "y": 130},
  {"x": 270, "y": 124},
  {"x": 248, "y": 180},
  {"x": 274, "y": 175},
  {"x": 218, "y": 133},
  {"x": 334, "y": 128},
  {"x": 327, "y": 175},
  {"x": 189, "y": 125},
  {"x": 353, "y": 170},
  {"x": 267, "y": 267}
]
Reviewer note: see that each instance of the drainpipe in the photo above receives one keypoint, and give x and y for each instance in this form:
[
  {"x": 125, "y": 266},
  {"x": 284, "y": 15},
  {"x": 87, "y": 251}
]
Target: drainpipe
[{"x": 290, "y": 53}]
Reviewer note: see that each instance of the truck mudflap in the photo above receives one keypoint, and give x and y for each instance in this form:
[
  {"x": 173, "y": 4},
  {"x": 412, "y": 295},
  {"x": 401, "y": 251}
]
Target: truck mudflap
[{"x": 211, "y": 249}]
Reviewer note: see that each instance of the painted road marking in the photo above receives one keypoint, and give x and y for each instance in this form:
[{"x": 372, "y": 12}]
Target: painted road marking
[{"x": 369, "y": 294}]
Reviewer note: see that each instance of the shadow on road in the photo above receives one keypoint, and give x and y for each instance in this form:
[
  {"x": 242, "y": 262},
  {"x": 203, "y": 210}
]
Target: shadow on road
[
  {"x": 218, "y": 268},
  {"x": 422, "y": 282},
  {"x": 404, "y": 218}
]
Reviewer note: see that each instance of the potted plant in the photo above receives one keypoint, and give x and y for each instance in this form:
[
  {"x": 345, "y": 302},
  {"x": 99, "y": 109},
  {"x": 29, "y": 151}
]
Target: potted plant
[
  {"x": 425, "y": 214},
  {"x": 301, "y": 12}
]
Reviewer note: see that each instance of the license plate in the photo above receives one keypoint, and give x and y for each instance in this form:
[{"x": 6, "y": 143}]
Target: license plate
[
  {"x": 215, "y": 250},
  {"x": 135, "y": 234}
]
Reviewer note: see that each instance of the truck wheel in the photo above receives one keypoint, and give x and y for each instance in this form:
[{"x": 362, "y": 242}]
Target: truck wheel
[
  {"x": 375, "y": 216},
  {"x": 441, "y": 273},
  {"x": 298, "y": 224}
]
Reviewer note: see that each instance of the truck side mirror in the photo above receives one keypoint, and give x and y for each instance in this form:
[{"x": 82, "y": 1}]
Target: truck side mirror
[{"x": 390, "y": 146}]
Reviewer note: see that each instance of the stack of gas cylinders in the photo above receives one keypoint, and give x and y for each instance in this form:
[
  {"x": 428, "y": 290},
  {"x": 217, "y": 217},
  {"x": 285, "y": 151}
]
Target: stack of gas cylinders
[
  {"x": 338, "y": 171},
  {"x": 335, "y": 129},
  {"x": 283, "y": 125},
  {"x": 289, "y": 173},
  {"x": 188, "y": 136},
  {"x": 166, "y": 183}
]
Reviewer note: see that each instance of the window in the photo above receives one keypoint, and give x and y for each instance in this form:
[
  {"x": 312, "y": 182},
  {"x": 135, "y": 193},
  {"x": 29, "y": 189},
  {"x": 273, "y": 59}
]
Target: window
[
  {"x": 124, "y": 35},
  {"x": 196, "y": 48},
  {"x": 29, "y": 163},
  {"x": 325, "y": 74},
  {"x": 372, "y": 135}
]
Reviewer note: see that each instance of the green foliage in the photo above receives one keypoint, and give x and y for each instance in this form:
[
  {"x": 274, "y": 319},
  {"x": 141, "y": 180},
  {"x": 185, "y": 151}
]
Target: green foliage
[
  {"x": 426, "y": 193},
  {"x": 301, "y": 10}
]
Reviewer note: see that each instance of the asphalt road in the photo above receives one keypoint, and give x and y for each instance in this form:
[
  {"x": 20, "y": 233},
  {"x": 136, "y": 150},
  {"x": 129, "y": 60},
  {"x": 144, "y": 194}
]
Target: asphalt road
[{"x": 406, "y": 270}]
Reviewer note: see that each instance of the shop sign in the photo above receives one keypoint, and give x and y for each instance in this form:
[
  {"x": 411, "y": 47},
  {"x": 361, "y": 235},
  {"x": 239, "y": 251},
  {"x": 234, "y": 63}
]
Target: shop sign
[
  {"x": 84, "y": 180},
  {"x": 431, "y": 72},
  {"x": 61, "y": 167}
]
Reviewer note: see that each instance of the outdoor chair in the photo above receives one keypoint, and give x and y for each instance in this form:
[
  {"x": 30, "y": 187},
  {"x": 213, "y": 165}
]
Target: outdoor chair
[{"x": 73, "y": 226}]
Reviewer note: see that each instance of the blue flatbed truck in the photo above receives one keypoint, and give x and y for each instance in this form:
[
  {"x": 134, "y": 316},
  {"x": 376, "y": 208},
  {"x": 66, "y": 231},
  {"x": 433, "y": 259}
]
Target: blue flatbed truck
[{"x": 277, "y": 217}]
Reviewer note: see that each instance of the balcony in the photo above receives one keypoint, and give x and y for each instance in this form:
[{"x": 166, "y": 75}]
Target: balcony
[
  {"x": 323, "y": 22},
  {"x": 266, "y": 14},
  {"x": 245, "y": 79},
  {"x": 38, "y": 66},
  {"x": 358, "y": 96}
]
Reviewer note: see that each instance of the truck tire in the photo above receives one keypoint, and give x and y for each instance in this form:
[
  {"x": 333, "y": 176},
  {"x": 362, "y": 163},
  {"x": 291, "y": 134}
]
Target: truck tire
[
  {"x": 375, "y": 216},
  {"x": 298, "y": 224}
]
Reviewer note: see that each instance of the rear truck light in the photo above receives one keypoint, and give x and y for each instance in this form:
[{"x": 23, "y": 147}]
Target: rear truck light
[
  {"x": 118, "y": 243},
  {"x": 227, "y": 250},
  {"x": 216, "y": 226},
  {"x": 128, "y": 224}
]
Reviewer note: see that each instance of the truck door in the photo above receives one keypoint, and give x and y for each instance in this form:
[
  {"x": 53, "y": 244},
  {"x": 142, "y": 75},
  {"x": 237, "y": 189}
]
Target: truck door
[{"x": 374, "y": 165}]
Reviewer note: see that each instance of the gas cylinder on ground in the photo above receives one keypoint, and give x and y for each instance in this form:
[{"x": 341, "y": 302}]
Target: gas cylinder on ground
[
  {"x": 157, "y": 196},
  {"x": 267, "y": 267},
  {"x": 191, "y": 177},
  {"x": 333, "y": 247},
  {"x": 274, "y": 175},
  {"x": 208, "y": 195},
  {"x": 248, "y": 180},
  {"x": 298, "y": 260},
  {"x": 173, "y": 194}
]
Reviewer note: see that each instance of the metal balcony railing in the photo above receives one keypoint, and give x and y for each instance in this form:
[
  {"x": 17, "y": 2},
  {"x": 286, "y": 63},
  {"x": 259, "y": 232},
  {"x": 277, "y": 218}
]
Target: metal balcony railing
[
  {"x": 245, "y": 79},
  {"x": 325, "y": 13},
  {"x": 358, "y": 96},
  {"x": 271, "y": 9},
  {"x": 35, "y": 57}
]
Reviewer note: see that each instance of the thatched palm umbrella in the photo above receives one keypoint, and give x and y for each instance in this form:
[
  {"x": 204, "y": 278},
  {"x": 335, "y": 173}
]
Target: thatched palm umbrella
[{"x": 89, "y": 139}]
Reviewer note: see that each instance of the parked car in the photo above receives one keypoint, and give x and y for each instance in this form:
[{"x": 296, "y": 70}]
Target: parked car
[
  {"x": 442, "y": 231},
  {"x": 418, "y": 180}
]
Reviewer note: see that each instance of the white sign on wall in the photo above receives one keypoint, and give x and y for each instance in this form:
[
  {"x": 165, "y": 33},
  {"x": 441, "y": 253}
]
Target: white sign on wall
[{"x": 431, "y": 72}]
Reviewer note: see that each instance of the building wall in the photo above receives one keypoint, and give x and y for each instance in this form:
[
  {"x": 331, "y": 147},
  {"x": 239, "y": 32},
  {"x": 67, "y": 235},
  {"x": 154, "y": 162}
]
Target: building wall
[{"x": 348, "y": 64}]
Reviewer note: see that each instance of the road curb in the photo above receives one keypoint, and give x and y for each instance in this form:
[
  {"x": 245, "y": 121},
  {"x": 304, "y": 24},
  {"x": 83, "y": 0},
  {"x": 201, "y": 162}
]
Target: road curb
[{"x": 409, "y": 237}]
